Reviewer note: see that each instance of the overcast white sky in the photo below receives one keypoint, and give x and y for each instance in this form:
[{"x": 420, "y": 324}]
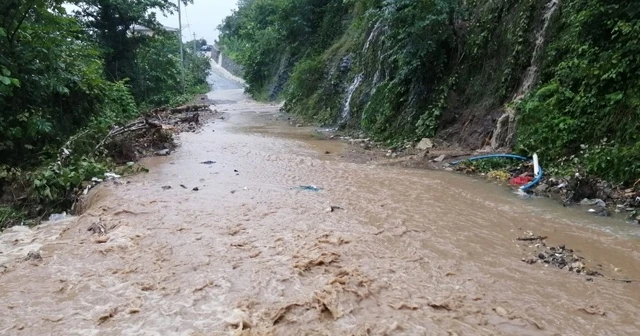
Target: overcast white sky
[{"x": 201, "y": 18}]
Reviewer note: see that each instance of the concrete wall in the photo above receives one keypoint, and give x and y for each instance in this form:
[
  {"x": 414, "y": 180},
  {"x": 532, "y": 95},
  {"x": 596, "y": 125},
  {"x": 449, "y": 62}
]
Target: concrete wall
[{"x": 230, "y": 65}]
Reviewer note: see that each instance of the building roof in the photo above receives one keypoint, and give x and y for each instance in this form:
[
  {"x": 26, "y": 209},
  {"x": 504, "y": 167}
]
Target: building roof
[{"x": 141, "y": 28}]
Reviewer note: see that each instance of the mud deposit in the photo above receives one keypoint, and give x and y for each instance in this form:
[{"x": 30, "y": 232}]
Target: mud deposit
[{"x": 378, "y": 250}]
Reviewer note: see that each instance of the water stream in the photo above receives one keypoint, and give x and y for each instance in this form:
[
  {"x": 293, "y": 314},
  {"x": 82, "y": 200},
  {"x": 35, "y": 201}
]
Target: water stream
[
  {"x": 346, "y": 109},
  {"x": 378, "y": 250},
  {"x": 506, "y": 125}
]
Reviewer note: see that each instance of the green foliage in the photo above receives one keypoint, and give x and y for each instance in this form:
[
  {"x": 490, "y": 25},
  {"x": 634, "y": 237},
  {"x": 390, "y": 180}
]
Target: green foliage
[
  {"x": 66, "y": 81},
  {"x": 53, "y": 185},
  {"x": 260, "y": 31},
  {"x": 589, "y": 104},
  {"x": 426, "y": 63},
  {"x": 11, "y": 216}
]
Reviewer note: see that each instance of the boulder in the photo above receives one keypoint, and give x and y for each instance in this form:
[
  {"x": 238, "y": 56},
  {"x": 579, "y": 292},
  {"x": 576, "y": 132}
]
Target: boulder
[{"x": 424, "y": 144}]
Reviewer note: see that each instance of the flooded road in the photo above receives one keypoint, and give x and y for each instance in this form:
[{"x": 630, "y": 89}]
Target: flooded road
[{"x": 410, "y": 252}]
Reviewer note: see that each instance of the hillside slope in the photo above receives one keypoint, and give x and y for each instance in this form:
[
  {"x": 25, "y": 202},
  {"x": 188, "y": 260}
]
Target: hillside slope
[{"x": 558, "y": 77}]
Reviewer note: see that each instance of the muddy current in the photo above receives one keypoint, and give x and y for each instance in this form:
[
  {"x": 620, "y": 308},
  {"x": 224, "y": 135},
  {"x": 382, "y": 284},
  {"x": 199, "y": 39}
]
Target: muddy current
[{"x": 376, "y": 250}]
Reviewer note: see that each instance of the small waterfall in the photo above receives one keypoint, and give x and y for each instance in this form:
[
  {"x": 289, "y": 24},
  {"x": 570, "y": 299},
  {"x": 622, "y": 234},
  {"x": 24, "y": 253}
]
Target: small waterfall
[
  {"x": 374, "y": 33},
  {"x": 346, "y": 109},
  {"x": 506, "y": 126}
]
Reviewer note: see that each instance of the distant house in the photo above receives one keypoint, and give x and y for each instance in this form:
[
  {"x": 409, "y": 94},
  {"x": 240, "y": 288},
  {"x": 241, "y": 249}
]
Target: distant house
[{"x": 142, "y": 30}]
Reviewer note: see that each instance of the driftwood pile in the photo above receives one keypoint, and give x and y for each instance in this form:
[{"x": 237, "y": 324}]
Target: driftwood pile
[{"x": 152, "y": 132}]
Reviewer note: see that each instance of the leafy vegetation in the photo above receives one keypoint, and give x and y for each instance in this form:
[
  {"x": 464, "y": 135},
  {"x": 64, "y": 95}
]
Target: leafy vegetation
[
  {"x": 445, "y": 67},
  {"x": 587, "y": 108},
  {"x": 65, "y": 80}
]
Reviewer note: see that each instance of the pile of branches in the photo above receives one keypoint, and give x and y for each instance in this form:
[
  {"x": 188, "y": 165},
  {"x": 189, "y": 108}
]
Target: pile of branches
[{"x": 152, "y": 132}]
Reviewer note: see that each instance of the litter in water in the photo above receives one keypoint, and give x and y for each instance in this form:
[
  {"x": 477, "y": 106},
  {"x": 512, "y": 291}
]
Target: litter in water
[
  {"x": 309, "y": 188},
  {"x": 56, "y": 217}
]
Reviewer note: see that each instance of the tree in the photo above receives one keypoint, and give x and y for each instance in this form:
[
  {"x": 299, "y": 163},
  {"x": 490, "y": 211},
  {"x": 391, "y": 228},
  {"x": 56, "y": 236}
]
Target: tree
[{"x": 110, "y": 22}]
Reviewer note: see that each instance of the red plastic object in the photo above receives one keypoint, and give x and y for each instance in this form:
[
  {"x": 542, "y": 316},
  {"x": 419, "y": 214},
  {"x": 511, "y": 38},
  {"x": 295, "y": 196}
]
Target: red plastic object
[{"x": 520, "y": 180}]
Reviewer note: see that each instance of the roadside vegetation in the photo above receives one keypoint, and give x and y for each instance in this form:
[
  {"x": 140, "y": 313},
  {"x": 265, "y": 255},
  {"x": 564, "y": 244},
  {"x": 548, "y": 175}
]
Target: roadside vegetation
[
  {"x": 66, "y": 79},
  {"x": 448, "y": 68}
]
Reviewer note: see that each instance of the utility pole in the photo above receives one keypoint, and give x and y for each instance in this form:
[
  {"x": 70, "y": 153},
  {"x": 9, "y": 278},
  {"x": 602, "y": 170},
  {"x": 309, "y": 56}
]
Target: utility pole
[
  {"x": 181, "y": 50},
  {"x": 194, "y": 44}
]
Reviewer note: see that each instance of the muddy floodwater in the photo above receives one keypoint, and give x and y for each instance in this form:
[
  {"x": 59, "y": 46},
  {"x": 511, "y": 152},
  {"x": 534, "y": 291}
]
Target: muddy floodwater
[{"x": 404, "y": 252}]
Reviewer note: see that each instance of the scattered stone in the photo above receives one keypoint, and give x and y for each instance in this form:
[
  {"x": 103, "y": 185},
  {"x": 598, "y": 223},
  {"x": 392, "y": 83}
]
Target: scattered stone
[
  {"x": 33, "y": 256},
  {"x": 183, "y": 186},
  {"x": 424, "y": 144},
  {"x": 595, "y": 201},
  {"x": 196, "y": 189},
  {"x": 603, "y": 212},
  {"x": 440, "y": 158},
  {"x": 327, "y": 152},
  {"x": 98, "y": 228},
  {"x": 558, "y": 256},
  {"x": 541, "y": 188},
  {"x": 163, "y": 152},
  {"x": 501, "y": 311},
  {"x": 593, "y": 310},
  {"x": 333, "y": 208},
  {"x": 209, "y": 162},
  {"x": 166, "y": 187}
]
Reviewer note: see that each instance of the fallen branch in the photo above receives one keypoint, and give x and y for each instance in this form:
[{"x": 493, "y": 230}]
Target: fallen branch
[
  {"x": 194, "y": 118},
  {"x": 535, "y": 238},
  {"x": 133, "y": 126},
  {"x": 189, "y": 108}
]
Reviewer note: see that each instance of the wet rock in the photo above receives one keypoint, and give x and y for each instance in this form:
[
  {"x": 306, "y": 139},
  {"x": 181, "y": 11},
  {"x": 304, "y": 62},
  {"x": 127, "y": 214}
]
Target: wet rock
[
  {"x": 542, "y": 188},
  {"x": 208, "y": 162},
  {"x": 33, "y": 256},
  {"x": 424, "y": 144},
  {"x": 163, "y": 152},
  {"x": 595, "y": 201},
  {"x": 558, "y": 256},
  {"x": 345, "y": 63},
  {"x": 603, "y": 212},
  {"x": 440, "y": 158},
  {"x": 196, "y": 189},
  {"x": 166, "y": 187},
  {"x": 332, "y": 208}
]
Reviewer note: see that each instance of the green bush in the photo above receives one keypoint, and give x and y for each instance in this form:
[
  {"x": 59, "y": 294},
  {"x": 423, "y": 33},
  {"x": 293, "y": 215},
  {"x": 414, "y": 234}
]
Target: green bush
[{"x": 589, "y": 104}]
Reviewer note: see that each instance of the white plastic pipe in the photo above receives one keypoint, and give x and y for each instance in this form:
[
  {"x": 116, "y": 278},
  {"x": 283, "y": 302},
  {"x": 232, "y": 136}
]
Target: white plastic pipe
[{"x": 536, "y": 165}]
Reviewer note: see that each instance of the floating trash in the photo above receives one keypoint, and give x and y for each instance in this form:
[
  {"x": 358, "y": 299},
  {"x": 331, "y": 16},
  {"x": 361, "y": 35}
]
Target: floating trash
[{"x": 309, "y": 188}]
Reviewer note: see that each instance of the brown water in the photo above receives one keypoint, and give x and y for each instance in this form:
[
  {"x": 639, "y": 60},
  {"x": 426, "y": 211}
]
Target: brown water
[{"x": 414, "y": 252}]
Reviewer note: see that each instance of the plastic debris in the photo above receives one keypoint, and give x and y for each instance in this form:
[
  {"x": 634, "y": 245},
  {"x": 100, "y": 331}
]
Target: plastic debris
[
  {"x": 57, "y": 217},
  {"x": 520, "y": 180},
  {"x": 309, "y": 188},
  {"x": 163, "y": 152},
  {"x": 111, "y": 176}
]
